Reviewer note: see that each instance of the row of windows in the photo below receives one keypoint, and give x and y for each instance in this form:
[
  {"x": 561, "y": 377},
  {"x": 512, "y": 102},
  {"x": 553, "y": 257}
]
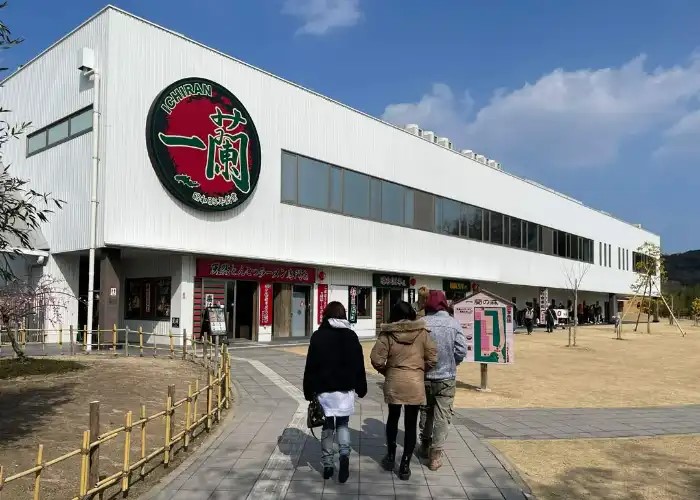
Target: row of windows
[
  {"x": 623, "y": 259},
  {"x": 314, "y": 184},
  {"x": 61, "y": 131}
]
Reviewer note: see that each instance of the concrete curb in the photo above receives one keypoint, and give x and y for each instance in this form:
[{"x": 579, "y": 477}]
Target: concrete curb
[
  {"x": 508, "y": 465},
  {"x": 165, "y": 481}
]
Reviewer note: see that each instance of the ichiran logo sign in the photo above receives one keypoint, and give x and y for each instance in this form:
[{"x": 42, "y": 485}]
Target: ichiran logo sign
[{"x": 203, "y": 145}]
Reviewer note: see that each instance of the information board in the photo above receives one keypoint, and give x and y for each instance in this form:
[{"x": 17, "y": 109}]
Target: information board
[
  {"x": 216, "y": 320},
  {"x": 487, "y": 323}
]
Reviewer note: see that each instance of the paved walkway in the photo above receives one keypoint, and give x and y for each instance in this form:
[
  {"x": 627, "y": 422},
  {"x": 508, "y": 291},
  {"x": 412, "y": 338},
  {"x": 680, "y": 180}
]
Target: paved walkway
[{"x": 266, "y": 452}]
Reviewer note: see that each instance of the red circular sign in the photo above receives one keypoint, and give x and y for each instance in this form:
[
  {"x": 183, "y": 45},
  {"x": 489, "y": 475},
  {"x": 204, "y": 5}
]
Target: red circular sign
[{"x": 203, "y": 145}]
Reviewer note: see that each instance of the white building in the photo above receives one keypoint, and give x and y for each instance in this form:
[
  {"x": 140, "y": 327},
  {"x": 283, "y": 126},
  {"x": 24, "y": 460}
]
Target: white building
[{"x": 330, "y": 204}]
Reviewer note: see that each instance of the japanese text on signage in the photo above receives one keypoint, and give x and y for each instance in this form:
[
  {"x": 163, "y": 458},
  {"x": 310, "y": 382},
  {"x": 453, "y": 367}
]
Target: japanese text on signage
[
  {"x": 255, "y": 271},
  {"x": 322, "y": 301}
]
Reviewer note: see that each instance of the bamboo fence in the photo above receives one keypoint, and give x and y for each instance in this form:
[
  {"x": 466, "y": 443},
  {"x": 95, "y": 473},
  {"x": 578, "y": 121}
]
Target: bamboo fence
[
  {"x": 71, "y": 341},
  {"x": 202, "y": 409}
]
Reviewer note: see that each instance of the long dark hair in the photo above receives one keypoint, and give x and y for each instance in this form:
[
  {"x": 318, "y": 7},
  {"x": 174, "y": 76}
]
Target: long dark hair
[
  {"x": 334, "y": 310},
  {"x": 401, "y": 311}
]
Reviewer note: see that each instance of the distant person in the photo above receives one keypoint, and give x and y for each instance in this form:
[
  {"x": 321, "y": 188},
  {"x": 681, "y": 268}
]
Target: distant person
[
  {"x": 598, "y": 313},
  {"x": 403, "y": 353},
  {"x": 334, "y": 373},
  {"x": 529, "y": 318},
  {"x": 551, "y": 318},
  {"x": 440, "y": 382}
]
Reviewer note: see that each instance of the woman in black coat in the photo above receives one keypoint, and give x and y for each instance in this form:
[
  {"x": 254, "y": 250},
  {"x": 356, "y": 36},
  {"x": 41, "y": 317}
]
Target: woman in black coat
[{"x": 335, "y": 372}]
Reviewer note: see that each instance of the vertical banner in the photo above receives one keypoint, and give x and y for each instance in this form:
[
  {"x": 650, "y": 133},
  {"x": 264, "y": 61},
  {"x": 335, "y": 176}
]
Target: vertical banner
[
  {"x": 352, "y": 304},
  {"x": 266, "y": 304},
  {"x": 322, "y": 302},
  {"x": 544, "y": 304},
  {"x": 487, "y": 323},
  {"x": 412, "y": 296}
]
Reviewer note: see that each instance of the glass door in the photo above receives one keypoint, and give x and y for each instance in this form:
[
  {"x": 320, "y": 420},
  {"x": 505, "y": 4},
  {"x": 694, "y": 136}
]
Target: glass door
[{"x": 300, "y": 310}]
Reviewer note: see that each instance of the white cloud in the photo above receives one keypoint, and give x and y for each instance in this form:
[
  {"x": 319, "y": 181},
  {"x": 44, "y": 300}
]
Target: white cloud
[
  {"x": 321, "y": 16},
  {"x": 566, "y": 118},
  {"x": 682, "y": 139}
]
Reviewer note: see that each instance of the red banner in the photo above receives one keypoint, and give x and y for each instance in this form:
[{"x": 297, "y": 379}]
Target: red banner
[
  {"x": 255, "y": 271},
  {"x": 266, "y": 304},
  {"x": 322, "y": 301}
]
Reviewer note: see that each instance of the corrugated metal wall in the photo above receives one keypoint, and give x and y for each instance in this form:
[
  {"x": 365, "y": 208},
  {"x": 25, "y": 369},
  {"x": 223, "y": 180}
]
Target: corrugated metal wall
[{"x": 43, "y": 92}]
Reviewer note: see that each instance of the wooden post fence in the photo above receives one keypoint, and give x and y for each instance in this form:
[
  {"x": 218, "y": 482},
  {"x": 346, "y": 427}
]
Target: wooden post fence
[
  {"x": 127, "y": 450},
  {"x": 89, "y": 483},
  {"x": 94, "y": 456}
]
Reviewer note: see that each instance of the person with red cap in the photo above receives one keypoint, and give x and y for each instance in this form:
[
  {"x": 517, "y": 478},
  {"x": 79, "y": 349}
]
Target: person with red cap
[{"x": 440, "y": 381}]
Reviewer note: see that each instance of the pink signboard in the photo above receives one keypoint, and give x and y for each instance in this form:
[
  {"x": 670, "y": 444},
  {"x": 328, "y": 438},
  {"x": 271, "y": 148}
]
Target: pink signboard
[{"x": 255, "y": 271}]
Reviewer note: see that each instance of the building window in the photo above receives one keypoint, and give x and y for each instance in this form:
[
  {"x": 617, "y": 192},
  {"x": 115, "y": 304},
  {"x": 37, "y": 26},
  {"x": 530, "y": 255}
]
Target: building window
[
  {"x": 313, "y": 180},
  {"x": 392, "y": 203},
  {"x": 336, "y": 190},
  {"x": 148, "y": 299},
  {"x": 59, "y": 132},
  {"x": 424, "y": 211},
  {"x": 364, "y": 302},
  {"x": 408, "y": 208},
  {"x": 356, "y": 194},
  {"x": 515, "y": 232},
  {"x": 496, "y": 228},
  {"x": 289, "y": 177},
  {"x": 609, "y": 255},
  {"x": 449, "y": 222},
  {"x": 375, "y": 199},
  {"x": 532, "y": 239}
]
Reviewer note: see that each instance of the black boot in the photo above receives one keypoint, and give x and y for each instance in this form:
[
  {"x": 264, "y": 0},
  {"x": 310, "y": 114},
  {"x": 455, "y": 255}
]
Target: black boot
[
  {"x": 389, "y": 458},
  {"x": 405, "y": 468},
  {"x": 344, "y": 471},
  {"x": 327, "y": 472}
]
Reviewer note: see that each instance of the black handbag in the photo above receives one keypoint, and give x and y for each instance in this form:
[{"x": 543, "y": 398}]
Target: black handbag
[{"x": 315, "y": 417}]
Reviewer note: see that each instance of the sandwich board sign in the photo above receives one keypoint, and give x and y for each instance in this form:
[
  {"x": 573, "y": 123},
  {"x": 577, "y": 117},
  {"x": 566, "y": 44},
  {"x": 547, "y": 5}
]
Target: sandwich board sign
[{"x": 487, "y": 324}]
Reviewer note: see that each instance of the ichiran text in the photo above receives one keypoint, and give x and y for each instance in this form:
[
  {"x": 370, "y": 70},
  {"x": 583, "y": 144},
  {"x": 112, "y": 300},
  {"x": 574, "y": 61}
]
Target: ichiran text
[{"x": 182, "y": 92}]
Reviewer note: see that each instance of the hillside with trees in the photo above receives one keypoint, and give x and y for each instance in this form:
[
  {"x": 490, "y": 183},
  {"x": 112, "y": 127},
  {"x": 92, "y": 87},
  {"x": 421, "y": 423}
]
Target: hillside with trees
[{"x": 683, "y": 270}]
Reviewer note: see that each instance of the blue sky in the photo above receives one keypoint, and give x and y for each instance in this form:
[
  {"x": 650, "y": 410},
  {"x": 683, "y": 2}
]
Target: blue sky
[{"x": 598, "y": 99}]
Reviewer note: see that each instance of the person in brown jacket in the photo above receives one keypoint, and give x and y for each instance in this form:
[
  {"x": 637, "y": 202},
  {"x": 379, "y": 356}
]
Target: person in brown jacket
[
  {"x": 402, "y": 353},
  {"x": 422, "y": 299}
]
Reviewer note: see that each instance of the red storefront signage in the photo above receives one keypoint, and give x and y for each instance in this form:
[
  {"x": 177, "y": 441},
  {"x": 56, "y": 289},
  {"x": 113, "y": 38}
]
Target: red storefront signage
[
  {"x": 266, "y": 304},
  {"x": 255, "y": 271},
  {"x": 322, "y": 301}
]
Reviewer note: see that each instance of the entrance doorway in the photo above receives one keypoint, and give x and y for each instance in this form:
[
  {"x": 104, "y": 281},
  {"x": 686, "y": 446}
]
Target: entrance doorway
[
  {"x": 291, "y": 311},
  {"x": 240, "y": 309},
  {"x": 386, "y": 299},
  {"x": 300, "y": 310}
]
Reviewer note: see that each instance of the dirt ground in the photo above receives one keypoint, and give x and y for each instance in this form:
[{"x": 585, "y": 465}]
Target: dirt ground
[
  {"x": 654, "y": 369},
  {"x": 660, "y": 468},
  {"x": 54, "y": 411}
]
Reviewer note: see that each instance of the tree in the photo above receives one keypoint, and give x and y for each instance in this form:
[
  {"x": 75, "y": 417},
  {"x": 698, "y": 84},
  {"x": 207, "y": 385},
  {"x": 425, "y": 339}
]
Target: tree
[
  {"x": 696, "y": 310},
  {"x": 650, "y": 273},
  {"x": 22, "y": 210},
  {"x": 574, "y": 275},
  {"x": 21, "y": 301}
]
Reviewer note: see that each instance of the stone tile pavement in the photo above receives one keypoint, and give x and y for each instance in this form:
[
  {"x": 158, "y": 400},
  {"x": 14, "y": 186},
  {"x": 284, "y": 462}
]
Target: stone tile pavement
[
  {"x": 266, "y": 452},
  {"x": 574, "y": 423}
]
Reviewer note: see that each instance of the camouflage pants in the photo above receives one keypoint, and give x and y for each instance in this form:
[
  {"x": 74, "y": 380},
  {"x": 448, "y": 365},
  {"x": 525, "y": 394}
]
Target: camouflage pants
[{"x": 436, "y": 415}]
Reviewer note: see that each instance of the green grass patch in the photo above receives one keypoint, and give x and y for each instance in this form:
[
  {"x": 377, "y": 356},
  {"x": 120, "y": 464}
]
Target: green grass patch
[{"x": 12, "y": 368}]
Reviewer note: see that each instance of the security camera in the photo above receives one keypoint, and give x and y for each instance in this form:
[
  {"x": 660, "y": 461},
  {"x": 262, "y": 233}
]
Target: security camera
[{"x": 86, "y": 60}]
